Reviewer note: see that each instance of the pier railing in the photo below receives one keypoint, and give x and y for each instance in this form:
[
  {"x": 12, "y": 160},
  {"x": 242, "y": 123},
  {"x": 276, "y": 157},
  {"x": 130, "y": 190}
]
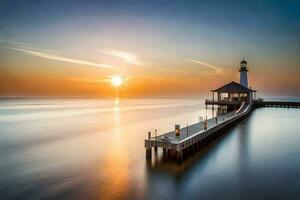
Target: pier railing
[{"x": 221, "y": 102}]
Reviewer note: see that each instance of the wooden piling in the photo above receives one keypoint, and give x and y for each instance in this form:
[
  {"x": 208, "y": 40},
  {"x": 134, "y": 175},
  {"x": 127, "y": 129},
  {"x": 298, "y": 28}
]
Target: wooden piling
[
  {"x": 179, "y": 156},
  {"x": 155, "y": 134},
  {"x": 148, "y": 149}
]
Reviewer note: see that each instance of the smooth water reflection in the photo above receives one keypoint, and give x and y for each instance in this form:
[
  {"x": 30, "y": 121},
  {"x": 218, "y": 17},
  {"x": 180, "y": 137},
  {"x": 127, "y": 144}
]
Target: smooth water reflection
[
  {"x": 93, "y": 149},
  {"x": 255, "y": 160}
]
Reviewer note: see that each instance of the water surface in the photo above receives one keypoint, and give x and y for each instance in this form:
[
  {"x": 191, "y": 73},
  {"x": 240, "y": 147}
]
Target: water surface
[{"x": 93, "y": 149}]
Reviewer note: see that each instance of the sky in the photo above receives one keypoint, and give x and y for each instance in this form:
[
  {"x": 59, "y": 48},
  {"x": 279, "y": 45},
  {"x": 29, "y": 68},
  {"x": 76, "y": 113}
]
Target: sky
[{"x": 159, "y": 48}]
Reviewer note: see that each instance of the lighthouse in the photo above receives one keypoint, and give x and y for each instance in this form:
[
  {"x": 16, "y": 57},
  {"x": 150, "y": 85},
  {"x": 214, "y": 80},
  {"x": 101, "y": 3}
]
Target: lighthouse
[{"x": 243, "y": 73}]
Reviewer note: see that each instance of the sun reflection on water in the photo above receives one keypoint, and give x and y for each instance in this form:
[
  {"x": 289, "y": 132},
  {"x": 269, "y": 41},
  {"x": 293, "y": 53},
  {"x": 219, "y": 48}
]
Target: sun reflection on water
[{"x": 115, "y": 165}]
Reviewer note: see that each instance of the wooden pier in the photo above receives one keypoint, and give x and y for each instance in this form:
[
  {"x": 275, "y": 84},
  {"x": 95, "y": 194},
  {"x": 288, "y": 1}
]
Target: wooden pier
[
  {"x": 280, "y": 104},
  {"x": 181, "y": 140}
]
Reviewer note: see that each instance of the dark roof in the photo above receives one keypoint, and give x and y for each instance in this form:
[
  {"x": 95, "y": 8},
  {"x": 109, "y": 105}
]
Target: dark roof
[
  {"x": 233, "y": 87},
  {"x": 244, "y": 62}
]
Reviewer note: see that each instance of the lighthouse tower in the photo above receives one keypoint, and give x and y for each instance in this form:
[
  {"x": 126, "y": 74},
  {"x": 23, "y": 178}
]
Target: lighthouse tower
[{"x": 243, "y": 73}]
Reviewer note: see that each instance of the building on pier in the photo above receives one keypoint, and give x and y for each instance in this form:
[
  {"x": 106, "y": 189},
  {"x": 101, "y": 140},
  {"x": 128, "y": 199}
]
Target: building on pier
[{"x": 230, "y": 96}]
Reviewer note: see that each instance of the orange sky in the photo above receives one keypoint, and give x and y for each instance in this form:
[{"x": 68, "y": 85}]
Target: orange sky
[{"x": 140, "y": 83}]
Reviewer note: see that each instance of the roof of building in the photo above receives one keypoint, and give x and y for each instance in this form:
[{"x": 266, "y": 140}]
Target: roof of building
[
  {"x": 233, "y": 87},
  {"x": 244, "y": 62}
]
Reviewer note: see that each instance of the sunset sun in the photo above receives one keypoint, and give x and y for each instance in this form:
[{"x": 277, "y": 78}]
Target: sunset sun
[{"x": 116, "y": 80}]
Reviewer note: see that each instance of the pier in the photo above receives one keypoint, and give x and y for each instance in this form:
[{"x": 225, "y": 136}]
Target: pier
[
  {"x": 280, "y": 104},
  {"x": 234, "y": 102},
  {"x": 180, "y": 141}
]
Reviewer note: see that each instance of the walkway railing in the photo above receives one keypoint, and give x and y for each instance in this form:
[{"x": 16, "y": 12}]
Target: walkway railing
[{"x": 225, "y": 102}]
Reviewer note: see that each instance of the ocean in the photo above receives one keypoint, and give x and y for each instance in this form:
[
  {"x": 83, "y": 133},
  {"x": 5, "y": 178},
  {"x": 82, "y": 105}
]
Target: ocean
[{"x": 94, "y": 149}]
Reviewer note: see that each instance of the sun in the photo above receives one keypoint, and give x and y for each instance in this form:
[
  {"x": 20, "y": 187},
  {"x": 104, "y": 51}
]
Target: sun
[{"x": 116, "y": 80}]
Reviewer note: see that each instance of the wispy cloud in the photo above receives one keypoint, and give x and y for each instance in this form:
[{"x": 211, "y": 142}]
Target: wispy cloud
[
  {"x": 41, "y": 54},
  {"x": 128, "y": 57},
  {"x": 213, "y": 67},
  {"x": 12, "y": 42}
]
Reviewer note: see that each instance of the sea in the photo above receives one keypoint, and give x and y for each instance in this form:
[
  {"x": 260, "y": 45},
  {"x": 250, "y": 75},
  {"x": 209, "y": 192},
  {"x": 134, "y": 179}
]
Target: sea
[{"x": 76, "y": 148}]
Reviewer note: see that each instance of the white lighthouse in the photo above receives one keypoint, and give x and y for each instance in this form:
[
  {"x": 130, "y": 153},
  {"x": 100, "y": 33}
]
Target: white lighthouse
[{"x": 243, "y": 73}]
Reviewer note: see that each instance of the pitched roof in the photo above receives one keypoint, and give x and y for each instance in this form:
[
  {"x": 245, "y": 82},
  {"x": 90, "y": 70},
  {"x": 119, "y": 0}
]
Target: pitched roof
[{"x": 233, "y": 87}]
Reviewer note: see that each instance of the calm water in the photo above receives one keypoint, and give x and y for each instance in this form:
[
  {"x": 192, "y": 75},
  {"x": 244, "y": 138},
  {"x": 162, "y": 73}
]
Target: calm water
[{"x": 93, "y": 149}]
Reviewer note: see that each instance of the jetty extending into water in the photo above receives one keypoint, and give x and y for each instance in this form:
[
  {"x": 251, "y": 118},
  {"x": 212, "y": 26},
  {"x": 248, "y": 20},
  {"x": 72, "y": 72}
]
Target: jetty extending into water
[
  {"x": 280, "y": 104},
  {"x": 182, "y": 140},
  {"x": 234, "y": 102}
]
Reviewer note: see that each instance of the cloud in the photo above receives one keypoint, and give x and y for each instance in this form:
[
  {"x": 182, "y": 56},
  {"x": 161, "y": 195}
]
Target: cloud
[
  {"x": 13, "y": 42},
  {"x": 41, "y": 54},
  {"x": 215, "y": 68},
  {"x": 128, "y": 57}
]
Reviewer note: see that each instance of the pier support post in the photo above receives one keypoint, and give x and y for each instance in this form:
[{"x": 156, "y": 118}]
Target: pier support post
[
  {"x": 164, "y": 151},
  {"x": 179, "y": 156},
  {"x": 148, "y": 149},
  {"x": 155, "y": 146},
  {"x": 205, "y": 124},
  {"x": 148, "y": 153},
  {"x": 187, "y": 129}
]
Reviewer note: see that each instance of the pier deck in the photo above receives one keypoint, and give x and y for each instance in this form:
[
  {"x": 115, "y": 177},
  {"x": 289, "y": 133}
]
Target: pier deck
[
  {"x": 284, "y": 104},
  {"x": 191, "y": 130},
  {"x": 195, "y": 133}
]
